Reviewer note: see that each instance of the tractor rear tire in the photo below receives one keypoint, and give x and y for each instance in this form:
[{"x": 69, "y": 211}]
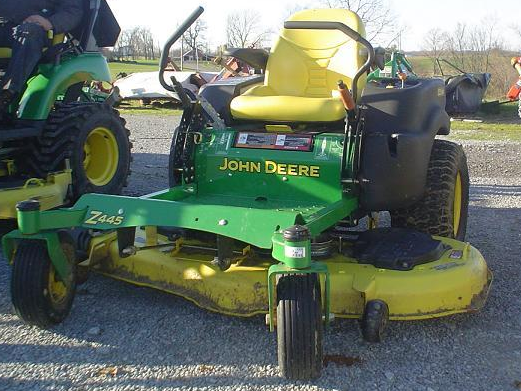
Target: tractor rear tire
[
  {"x": 299, "y": 326},
  {"x": 93, "y": 137},
  {"x": 444, "y": 209},
  {"x": 38, "y": 296}
]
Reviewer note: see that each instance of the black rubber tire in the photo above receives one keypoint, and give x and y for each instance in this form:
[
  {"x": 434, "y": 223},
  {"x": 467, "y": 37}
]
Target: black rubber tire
[
  {"x": 299, "y": 326},
  {"x": 175, "y": 176},
  {"x": 434, "y": 214},
  {"x": 374, "y": 321},
  {"x": 64, "y": 137},
  {"x": 29, "y": 285}
]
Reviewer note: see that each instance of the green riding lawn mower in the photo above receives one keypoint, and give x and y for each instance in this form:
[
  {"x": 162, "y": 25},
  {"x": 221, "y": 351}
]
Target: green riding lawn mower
[
  {"x": 58, "y": 140},
  {"x": 263, "y": 212}
]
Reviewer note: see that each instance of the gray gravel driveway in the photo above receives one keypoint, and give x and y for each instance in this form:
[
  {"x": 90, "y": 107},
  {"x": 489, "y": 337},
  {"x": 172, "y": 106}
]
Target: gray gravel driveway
[{"x": 122, "y": 337}]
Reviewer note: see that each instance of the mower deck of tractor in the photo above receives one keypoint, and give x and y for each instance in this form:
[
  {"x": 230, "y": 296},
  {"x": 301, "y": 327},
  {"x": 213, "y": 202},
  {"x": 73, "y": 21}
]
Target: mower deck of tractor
[
  {"x": 449, "y": 285},
  {"x": 51, "y": 193}
]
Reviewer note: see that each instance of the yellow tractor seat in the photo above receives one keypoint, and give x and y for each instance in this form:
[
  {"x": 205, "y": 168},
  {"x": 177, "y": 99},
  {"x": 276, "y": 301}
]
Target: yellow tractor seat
[
  {"x": 5, "y": 53},
  {"x": 303, "y": 70}
]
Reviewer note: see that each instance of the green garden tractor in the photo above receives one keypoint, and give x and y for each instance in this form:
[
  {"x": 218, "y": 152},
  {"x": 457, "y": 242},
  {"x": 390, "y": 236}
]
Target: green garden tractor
[
  {"x": 58, "y": 141},
  {"x": 265, "y": 210}
]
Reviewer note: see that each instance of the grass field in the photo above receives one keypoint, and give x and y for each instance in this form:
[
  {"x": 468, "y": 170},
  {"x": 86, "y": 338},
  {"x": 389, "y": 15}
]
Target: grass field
[
  {"x": 128, "y": 68},
  {"x": 423, "y": 66},
  {"x": 505, "y": 126}
]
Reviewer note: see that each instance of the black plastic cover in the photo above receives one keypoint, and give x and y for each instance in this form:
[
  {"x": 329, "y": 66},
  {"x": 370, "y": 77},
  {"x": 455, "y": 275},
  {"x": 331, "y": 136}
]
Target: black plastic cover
[
  {"x": 256, "y": 58},
  {"x": 221, "y": 93},
  {"x": 397, "y": 248},
  {"x": 466, "y": 92},
  {"x": 28, "y": 206},
  {"x": 400, "y": 127},
  {"x": 101, "y": 23},
  {"x": 106, "y": 29}
]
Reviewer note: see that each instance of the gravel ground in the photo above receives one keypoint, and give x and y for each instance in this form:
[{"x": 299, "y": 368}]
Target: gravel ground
[{"x": 121, "y": 337}]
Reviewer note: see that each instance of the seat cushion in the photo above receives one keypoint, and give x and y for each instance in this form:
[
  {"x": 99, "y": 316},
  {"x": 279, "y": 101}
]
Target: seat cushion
[
  {"x": 56, "y": 39},
  {"x": 5, "y": 52},
  {"x": 262, "y": 103}
]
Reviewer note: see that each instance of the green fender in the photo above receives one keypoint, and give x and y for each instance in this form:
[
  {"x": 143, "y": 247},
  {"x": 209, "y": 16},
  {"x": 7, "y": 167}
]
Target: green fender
[{"x": 53, "y": 80}]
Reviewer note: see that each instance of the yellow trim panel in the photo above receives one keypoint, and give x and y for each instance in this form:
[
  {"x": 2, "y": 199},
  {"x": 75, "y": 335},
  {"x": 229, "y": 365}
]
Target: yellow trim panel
[{"x": 51, "y": 193}]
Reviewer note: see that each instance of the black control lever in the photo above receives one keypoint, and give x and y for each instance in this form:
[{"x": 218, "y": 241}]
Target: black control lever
[{"x": 186, "y": 102}]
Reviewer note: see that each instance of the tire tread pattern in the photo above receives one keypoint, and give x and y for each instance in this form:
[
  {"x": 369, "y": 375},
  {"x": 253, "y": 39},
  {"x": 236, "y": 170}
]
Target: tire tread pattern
[
  {"x": 60, "y": 138},
  {"x": 300, "y": 327},
  {"x": 434, "y": 213},
  {"x": 29, "y": 292}
]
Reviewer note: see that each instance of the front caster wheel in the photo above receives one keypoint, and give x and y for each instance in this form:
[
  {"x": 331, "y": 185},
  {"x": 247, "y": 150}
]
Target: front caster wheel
[
  {"x": 39, "y": 296},
  {"x": 299, "y": 326},
  {"x": 374, "y": 321}
]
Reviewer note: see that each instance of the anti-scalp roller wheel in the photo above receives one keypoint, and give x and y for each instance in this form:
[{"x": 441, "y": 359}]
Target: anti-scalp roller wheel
[{"x": 374, "y": 321}]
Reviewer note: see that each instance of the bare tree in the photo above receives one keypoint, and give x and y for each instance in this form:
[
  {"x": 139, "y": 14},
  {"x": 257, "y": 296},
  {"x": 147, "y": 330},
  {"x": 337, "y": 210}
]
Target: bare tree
[
  {"x": 123, "y": 48},
  {"x": 377, "y": 15},
  {"x": 456, "y": 44},
  {"x": 516, "y": 29},
  {"x": 243, "y": 29},
  {"x": 196, "y": 35},
  {"x": 475, "y": 49},
  {"x": 471, "y": 47},
  {"x": 433, "y": 44},
  {"x": 135, "y": 43}
]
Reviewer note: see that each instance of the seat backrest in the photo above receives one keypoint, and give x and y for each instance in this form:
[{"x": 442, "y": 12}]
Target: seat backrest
[
  {"x": 99, "y": 27},
  {"x": 310, "y": 63}
]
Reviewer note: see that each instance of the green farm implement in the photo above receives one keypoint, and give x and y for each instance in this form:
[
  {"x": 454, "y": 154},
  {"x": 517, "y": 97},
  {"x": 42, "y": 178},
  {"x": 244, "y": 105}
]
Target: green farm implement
[{"x": 263, "y": 212}]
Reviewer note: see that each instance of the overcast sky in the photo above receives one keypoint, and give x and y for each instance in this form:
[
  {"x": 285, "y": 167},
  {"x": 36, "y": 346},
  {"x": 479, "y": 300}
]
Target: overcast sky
[{"x": 419, "y": 16}]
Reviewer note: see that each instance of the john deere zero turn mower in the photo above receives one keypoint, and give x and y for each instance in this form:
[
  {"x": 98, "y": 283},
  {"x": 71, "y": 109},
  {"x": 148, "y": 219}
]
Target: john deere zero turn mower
[
  {"x": 260, "y": 215},
  {"x": 57, "y": 143}
]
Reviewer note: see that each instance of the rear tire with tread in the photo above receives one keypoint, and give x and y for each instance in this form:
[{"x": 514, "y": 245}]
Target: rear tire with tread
[
  {"x": 434, "y": 214},
  {"x": 64, "y": 137}
]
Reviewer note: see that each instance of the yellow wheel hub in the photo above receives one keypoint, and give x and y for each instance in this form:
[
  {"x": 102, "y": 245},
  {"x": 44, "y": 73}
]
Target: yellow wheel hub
[
  {"x": 457, "y": 203},
  {"x": 101, "y": 156},
  {"x": 57, "y": 289}
]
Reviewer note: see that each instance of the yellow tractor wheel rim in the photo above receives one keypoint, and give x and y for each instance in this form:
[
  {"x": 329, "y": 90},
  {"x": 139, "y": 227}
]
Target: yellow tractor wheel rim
[
  {"x": 57, "y": 289},
  {"x": 101, "y": 156},
  {"x": 457, "y": 204}
]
